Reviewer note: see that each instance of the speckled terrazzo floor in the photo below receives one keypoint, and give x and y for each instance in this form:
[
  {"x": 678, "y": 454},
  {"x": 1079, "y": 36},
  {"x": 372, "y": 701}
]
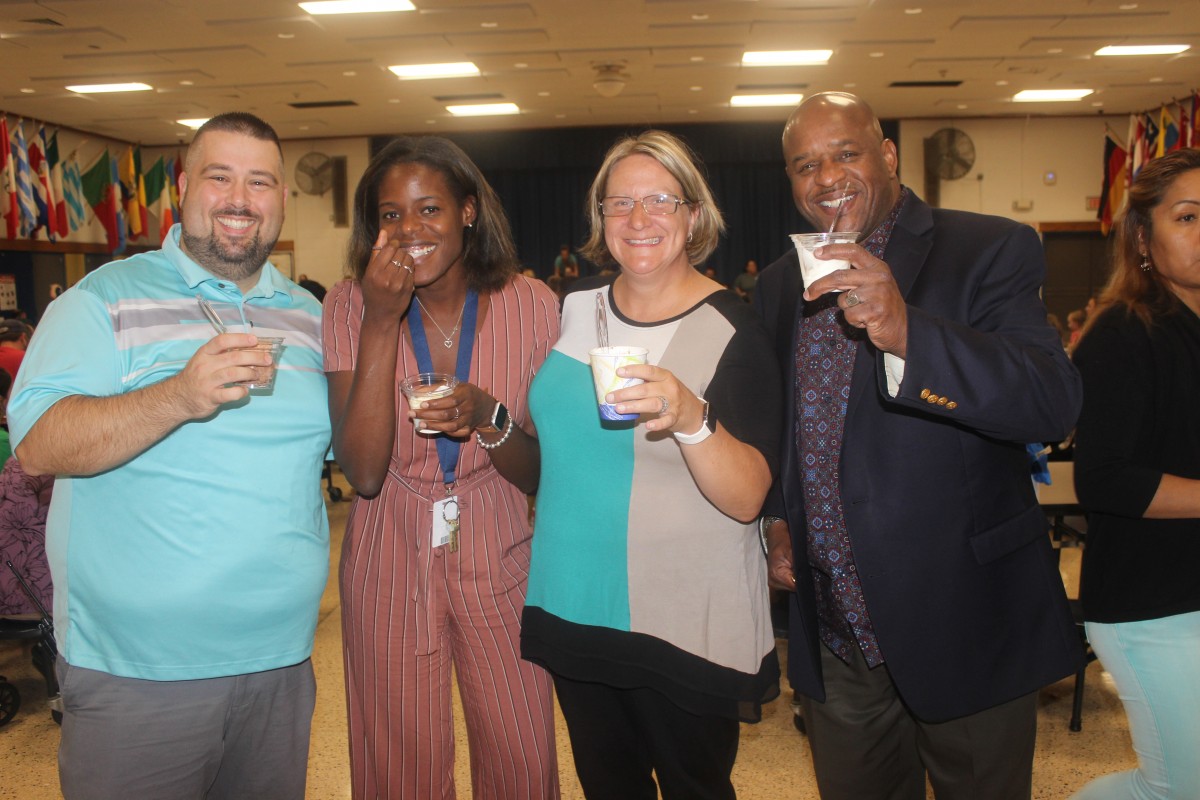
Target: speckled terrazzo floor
[{"x": 772, "y": 762}]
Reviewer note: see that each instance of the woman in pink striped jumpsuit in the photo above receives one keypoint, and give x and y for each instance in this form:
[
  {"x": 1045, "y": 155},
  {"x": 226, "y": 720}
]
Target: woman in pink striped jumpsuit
[{"x": 435, "y": 287}]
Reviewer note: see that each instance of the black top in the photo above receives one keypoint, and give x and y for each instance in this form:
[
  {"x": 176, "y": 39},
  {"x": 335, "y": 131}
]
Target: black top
[{"x": 1141, "y": 418}]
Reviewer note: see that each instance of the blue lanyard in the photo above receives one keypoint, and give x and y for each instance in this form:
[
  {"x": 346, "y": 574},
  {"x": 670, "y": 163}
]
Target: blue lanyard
[{"x": 447, "y": 448}]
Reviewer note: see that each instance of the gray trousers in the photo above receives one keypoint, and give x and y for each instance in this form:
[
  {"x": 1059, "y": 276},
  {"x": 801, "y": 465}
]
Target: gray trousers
[
  {"x": 241, "y": 737},
  {"x": 867, "y": 745}
]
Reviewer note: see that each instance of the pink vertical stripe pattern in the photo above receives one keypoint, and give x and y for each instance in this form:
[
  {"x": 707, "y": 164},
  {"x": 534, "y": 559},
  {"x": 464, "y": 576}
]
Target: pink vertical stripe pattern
[{"x": 410, "y": 612}]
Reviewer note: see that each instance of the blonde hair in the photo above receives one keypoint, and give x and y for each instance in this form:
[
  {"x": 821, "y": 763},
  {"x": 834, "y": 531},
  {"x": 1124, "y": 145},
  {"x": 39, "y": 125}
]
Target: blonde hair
[{"x": 684, "y": 166}]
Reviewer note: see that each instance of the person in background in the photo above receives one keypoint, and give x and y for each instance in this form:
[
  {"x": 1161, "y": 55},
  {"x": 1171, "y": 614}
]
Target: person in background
[
  {"x": 565, "y": 263},
  {"x": 187, "y": 535},
  {"x": 744, "y": 284},
  {"x": 315, "y": 288},
  {"x": 1137, "y": 474},
  {"x": 927, "y": 605},
  {"x": 14, "y": 339},
  {"x": 436, "y": 551},
  {"x": 647, "y": 592}
]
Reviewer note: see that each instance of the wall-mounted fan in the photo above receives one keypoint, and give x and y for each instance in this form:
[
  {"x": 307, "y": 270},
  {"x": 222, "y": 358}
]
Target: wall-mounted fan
[
  {"x": 949, "y": 154},
  {"x": 314, "y": 173}
]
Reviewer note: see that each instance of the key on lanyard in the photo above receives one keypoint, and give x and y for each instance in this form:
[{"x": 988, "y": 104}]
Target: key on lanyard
[{"x": 450, "y": 515}]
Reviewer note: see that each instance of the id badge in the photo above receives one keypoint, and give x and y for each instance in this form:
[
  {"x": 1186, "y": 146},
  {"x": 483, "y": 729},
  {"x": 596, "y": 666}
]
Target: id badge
[{"x": 445, "y": 522}]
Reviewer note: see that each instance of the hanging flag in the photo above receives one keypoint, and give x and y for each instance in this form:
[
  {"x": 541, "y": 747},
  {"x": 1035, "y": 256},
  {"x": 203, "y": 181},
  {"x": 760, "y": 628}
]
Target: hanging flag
[
  {"x": 73, "y": 194},
  {"x": 119, "y": 204},
  {"x": 1147, "y": 143},
  {"x": 97, "y": 185},
  {"x": 1194, "y": 128},
  {"x": 11, "y": 212},
  {"x": 159, "y": 194},
  {"x": 176, "y": 171},
  {"x": 128, "y": 181},
  {"x": 1185, "y": 123},
  {"x": 1169, "y": 139},
  {"x": 27, "y": 209},
  {"x": 56, "y": 185},
  {"x": 1112, "y": 193},
  {"x": 42, "y": 198},
  {"x": 143, "y": 213}
]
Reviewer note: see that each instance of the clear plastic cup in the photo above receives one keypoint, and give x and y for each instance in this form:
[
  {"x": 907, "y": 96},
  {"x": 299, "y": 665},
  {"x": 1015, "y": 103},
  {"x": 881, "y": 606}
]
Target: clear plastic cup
[
  {"x": 812, "y": 268},
  {"x": 425, "y": 386},
  {"x": 264, "y": 376}
]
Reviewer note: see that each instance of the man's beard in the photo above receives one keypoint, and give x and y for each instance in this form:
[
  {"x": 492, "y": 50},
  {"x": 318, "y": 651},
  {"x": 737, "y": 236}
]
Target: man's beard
[{"x": 232, "y": 263}]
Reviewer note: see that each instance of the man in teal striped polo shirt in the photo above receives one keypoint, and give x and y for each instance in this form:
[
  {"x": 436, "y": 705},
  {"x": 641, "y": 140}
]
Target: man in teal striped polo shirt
[{"x": 187, "y": 536}]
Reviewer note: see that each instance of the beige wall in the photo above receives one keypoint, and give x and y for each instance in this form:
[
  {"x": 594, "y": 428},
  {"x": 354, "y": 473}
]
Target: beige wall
[{"x": 1012, "y": 157}]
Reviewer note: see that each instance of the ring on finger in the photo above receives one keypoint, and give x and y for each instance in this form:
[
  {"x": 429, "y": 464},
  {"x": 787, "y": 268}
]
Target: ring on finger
[
  {"x": 457, "y": 411},
  {"x": 397, "y": 263},
  {"x": 665, "y": 405},
  {"x": 852, "y": 299}
]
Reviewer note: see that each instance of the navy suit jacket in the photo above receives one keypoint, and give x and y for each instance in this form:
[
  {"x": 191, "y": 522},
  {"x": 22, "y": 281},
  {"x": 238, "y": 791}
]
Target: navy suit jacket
[{"x": 951, "y": 547}]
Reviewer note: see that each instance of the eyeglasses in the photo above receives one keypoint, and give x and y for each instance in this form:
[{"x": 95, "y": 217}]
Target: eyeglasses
[{"x": 655, "y": 204}]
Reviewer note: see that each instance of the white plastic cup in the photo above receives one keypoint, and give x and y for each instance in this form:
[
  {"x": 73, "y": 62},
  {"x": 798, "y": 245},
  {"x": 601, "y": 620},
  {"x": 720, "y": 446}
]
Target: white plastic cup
[
  {"x": 812, "y": 268},
  {"x": 605, "y": 362},
  {"x": 426, "y": 386}
]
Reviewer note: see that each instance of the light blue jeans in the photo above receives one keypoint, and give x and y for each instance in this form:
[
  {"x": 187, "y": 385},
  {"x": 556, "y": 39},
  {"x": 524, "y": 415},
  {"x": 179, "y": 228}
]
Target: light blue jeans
[{"x": 1155, "y": 665}]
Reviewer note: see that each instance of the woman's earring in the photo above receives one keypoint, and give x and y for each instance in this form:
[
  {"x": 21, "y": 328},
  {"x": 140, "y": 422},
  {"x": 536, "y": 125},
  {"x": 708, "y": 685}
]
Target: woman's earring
[
  {"x": 689, "y": 239},
  {"x": 470, "y": 224},
  {"x": 1145, "y": 265}
]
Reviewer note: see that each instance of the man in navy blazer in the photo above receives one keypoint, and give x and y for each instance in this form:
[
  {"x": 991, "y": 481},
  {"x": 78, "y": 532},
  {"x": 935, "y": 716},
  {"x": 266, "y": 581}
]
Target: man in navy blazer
[{"x": 927, "y": 608}]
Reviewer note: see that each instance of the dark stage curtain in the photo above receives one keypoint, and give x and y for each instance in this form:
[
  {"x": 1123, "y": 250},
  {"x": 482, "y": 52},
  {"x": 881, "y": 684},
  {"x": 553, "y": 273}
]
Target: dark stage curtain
[{"x": 542, "y": 177}]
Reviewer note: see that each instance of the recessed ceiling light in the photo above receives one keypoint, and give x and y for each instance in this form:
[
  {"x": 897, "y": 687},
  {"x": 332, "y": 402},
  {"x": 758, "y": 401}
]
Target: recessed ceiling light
[
  {"x": 417, "y": 72},
  {"x": 356, "y": 6},
  {"x": 349, "y": 73},
  {"x": 187, "y": 83},
  {"x": 699, "y": 17},
  {"x": 543, "y": 94},
  {"x": 876, "y": 54},
  {"x": 394, "y": 100},
  {"x": 692, "y": 111},
  {"x": 1142, "y": 49},
  {"x": 484, "y": 110},
  {"x": 784, "y": 58},
  {"x": 912, "y": 11},
  {"x": 1127, "y": 6},
  {"x": 430, "y": 121},
  {"x": 1097, "y": 104},
  {"x": 303, "y": 127},
  {"x": 489, "y": 24},
  {"x": 696, "y": 88},
  {"x": 520, "y": 65},
  {"x": 560, "y": 116},
  {"x": 1156, "y": 80},
  {"x": 286, "y": 35},
  {"x": 28, "y": 91},
  {"x": 1054, "y": 51},
  {"x": 192, "y": 123},
  {"x": 697, "y": 58},
  {"x": 961, "y": 106},
  {"x": 849, "y": 85},
  {"x": 1050, "y": 95},
  {"x": 762, "y": 100},
  {"x": 1002, "y": 83},
  {"x": 97, "y": 88}
]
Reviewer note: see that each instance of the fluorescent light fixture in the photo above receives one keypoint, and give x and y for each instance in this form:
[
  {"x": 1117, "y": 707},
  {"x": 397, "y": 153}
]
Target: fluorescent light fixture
[
  {"x": 97, "y": 88},
  {"x": 356, "y": 6},
  {"x": 416, "y": 72},
  {"x": 1050, "y": 95},
  {"x": 192, "y": 123},
  {"x": 1142, "y": 49},
  {"x": 484, "y": 110},
  {"x": 784, "y": 58},
  {"x": 760, "y": 100}
]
